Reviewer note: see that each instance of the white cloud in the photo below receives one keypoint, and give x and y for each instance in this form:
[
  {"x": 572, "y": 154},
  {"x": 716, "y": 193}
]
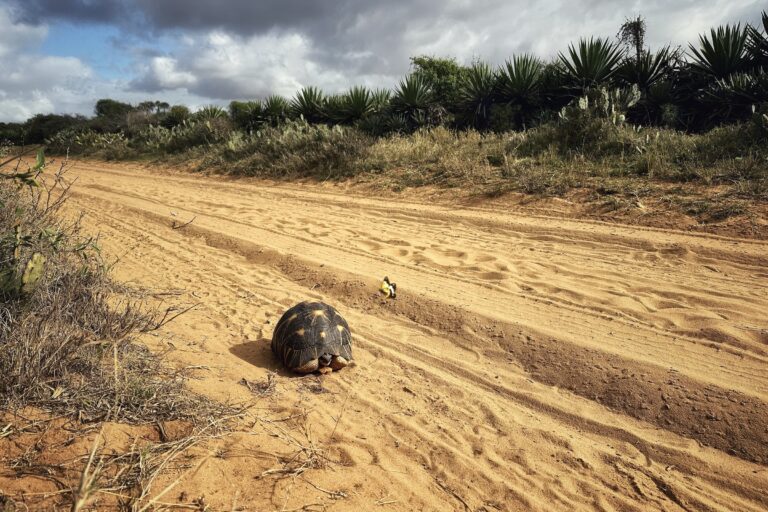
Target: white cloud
[
  {"x": 31, "y": 83},
  {"x": 240, "y": 49},
  {"x": 223, "y": 66},
  {"x": 373, "y": 46},
  {"x": 17, "y": 37},
  {"x": 165, "y": 72}
]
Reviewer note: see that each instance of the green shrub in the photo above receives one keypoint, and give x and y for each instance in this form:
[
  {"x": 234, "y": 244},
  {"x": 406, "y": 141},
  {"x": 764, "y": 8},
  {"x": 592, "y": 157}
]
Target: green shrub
[
  {"x": 592, "y": 125},
  {"x": 191, "y": 134},
  {"x": 88, "y": 142},
  {"x": 246, "y": 115},
  {"x": 175, "y": 116},
  {"x": 296, "y": 148},
  {"x": 438, "y": 156}
]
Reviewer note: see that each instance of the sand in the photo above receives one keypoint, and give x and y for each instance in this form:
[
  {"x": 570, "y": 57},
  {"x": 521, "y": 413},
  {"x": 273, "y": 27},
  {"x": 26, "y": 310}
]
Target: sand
[{"x": 529, "y": 362}]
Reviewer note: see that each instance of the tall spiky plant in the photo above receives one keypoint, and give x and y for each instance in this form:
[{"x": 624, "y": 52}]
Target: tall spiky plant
[
  {"x": 275, "y": 109},
  {"x": 333, "y": 108},
  {"x": 647, "y": 69},
  {"x": 519, "y": 78},
  {"x": 210, "y": 113},
  {"x": 380, "y": 99},
  {"x": 413, "y": 99},
  {"x": 354, "y": 105},
  {"x": 721, "y": 53},
  {"x": 518, "y": 83},
  {"x": 476, "y": 94},
  {"x": 246, "y": 115},
  {"x": 733, "y": 98},
  {"x": 591, "y": 63},
  {"x": 357, "y": 103},
  {"x": 757, "y": 44},
  {"x": 308, "y": 104}
]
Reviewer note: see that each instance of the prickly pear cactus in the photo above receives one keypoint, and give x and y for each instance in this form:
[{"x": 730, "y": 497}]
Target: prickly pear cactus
[
  {"x": 33, "y": 272},
  {"x": 14, "y": 280}
]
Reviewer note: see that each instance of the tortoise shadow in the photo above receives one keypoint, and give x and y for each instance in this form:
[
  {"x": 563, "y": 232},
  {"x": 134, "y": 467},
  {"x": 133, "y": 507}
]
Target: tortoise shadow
[{"x": 259, "y": 353}]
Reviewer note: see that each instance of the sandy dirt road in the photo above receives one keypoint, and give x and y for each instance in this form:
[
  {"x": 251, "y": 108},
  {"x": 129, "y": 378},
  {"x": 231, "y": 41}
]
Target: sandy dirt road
[{"x": 529, "y": 362}]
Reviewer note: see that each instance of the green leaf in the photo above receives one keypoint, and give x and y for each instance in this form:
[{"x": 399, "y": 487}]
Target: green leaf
[{"x": 39, "y": 160}]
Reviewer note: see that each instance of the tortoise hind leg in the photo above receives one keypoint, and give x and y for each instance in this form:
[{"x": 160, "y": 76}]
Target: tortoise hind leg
[{"x": 338, "y": 362}]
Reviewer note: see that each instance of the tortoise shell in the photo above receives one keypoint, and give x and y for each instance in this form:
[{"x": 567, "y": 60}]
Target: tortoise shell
[{"x": 312, "y": 336}]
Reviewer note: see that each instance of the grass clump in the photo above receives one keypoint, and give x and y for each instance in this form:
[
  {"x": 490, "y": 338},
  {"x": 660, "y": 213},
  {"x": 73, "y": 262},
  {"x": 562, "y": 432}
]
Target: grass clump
[
  {"x": 66, "y": 330},
  {"x": 293, "y": 149},
  {"x": 71, "y": 362}
]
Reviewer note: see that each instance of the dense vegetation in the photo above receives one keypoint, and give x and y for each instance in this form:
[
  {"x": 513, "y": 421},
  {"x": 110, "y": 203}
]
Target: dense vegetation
[
  {"x": 601, "y": 109},
  {"x": 715, "y": 80}
]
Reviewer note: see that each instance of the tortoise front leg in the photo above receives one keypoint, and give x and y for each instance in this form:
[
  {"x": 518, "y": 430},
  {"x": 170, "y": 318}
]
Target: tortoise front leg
[{"x": 309, "y": 367}]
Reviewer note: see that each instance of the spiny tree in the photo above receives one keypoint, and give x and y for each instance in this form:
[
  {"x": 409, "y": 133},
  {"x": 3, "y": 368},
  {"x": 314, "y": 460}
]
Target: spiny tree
[{"x": 632, "y": 35}]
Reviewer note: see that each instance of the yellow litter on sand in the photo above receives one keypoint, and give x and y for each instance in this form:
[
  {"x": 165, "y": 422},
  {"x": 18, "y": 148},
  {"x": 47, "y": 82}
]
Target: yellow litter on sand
[{"x": 388, "y": 289}]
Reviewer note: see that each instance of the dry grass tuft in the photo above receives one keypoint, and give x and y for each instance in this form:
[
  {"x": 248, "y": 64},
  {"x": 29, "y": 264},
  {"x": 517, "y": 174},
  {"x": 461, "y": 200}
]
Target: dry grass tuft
[
  {"x": 69, "y": 340},
  {"x": 70, "y": 351}
]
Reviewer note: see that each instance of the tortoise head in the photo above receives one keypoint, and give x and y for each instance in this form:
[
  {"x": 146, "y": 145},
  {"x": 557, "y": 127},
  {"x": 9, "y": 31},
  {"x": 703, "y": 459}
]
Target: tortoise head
[{"x": 326, "y": 364}]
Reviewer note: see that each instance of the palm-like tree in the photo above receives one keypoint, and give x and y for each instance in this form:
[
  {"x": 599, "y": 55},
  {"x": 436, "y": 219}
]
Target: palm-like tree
[
  {"x": 246, "y": 115},
  {"x": 732, "y": 98},
  {"x": 757, "y": 44},
  {"x": 348, "y": 107},
  {"x": 356, "y": 104},
  {"x": 308, "y": 104},
  {"x": 381, "y": 99},
  {"x": 210, "y": 113},
  {"x": 333, "y": 108},
  {"x": 413, "y": 100},
  {"x": 476, "y": 94},
  {"x": 647, "y": 69},
  {"x": 518, "y": 79},
  {"x": 275, "y": 109},
  {"x": 519, "y": 83},
  {"x": 592, "y": 63},
  {"x": 721, "y": 53}
]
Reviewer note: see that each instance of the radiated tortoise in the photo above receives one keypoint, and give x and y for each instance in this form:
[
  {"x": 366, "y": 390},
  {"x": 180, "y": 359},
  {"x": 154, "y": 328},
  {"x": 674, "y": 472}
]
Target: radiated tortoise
[{"x": 312, "y": 336}]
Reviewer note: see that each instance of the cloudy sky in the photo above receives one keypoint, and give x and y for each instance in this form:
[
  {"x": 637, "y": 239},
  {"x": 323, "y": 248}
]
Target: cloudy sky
[{"x": 62, "y": 55}]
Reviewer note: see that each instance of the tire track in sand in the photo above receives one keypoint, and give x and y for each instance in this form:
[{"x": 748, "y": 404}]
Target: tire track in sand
[{"x": 473, "y": 423}]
